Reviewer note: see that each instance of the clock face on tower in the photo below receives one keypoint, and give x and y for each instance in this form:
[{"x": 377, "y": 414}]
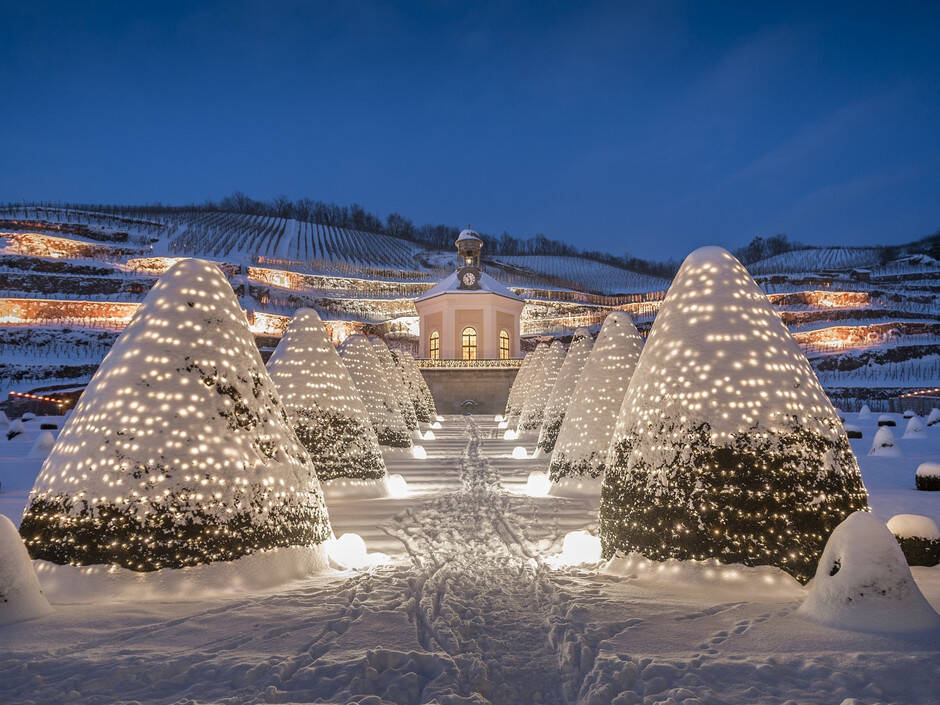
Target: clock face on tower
[{"x": 469, "y": 278}]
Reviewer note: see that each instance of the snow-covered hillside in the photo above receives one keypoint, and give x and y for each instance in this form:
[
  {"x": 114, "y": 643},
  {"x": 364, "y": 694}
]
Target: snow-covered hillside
[{"x": 579, "y": 273}]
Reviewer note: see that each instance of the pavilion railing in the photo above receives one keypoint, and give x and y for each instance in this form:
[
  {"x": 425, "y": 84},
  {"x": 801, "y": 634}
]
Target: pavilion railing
[{"x": 463, "y": 364}]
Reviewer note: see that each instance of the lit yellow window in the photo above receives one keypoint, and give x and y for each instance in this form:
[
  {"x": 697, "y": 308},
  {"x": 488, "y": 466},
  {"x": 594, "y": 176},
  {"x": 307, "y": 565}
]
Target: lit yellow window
[
  {"x": 469, "y": 343},
  {"x": 504, "y": 345},
  {"x": 434, "y": 346}
]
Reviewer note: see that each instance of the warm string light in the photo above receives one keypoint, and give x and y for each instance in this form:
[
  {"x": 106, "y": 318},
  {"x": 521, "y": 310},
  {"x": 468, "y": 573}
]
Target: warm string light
[
  {"x": 393, "y": 378},
  {"x": 179, "y": 452},
  {"x": 524, "y": 384},
  {"x": 540, "y": 387},
  {"x": 726, "y": 446}
]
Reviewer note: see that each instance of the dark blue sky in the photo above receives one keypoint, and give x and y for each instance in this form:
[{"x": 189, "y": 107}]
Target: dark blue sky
[{"x": 648, "y": 128}]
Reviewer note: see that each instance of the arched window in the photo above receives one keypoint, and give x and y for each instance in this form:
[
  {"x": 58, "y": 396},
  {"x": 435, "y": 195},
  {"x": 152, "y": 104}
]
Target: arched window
[
  {"x": 504, "y": 345},
  {"x": 468, "y": 343},
  {"x": 434, "y": 345}
]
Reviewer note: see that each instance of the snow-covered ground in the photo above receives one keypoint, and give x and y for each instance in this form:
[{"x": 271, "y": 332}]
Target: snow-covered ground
[{"x": 474, "y": 605}]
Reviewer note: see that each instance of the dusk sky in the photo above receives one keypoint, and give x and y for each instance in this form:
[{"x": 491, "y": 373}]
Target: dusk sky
[{"x": 650, "y": 128}]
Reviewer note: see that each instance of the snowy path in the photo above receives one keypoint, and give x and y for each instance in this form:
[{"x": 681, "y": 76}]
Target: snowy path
[{"x": 466, "y": 611}]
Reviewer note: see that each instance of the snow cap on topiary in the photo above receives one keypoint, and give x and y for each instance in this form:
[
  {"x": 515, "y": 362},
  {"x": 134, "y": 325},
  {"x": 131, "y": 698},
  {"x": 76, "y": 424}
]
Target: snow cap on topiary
[
  {"x": 915, "y": 428},
  {"x": 934, "y": 417},
  {"x": 513, "y": 406},
  {"x": 883, "y": 444},
  {"x": 179, "y": 451},
  {"x": 322, "y": 402},
  {"x": 369, "y": 374},
  {"x": 423, "y": 388},
  {"x": 581, "y": 449},
  {"x": 525, "y": 381},
  {"x": 560, "y": 397},
  {"x": 43, "y": 444},
  {"x": 20, "y": 595},
  {"x": 408, "y": 372},
  {"x": 726, "y": 446},
  {"x": 863, "y": 582},
  {"x": 394, "y": 381},
  {"x": 864, "y": 412},
  {"x": 540, "y": 388}
]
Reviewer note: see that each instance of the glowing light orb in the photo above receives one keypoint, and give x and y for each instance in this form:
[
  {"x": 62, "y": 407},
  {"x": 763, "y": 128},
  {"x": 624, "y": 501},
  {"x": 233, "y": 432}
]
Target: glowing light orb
[
  {"x": 503, "y": 424},
  {"x": 436, "y": 424},
  {"x": 519, "y": 453},
  {"x": 580, "y": 547},
  {"x": 348, "y": 552},
  {"x": 397, "y": 487},
  {"x": 510, "y": 435},
  {"x": 498, "y": 418},
  {"x": 419, "y": 452},
  {"x": 538, "y": 484},
  {"x": 439, "y": 418},
  {"x": 429, "y": 436}
]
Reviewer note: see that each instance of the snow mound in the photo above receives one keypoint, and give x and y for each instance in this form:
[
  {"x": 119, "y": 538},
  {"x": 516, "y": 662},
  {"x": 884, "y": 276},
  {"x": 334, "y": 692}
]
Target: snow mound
[
  {"x": 20, "y": 595},
  {"x": 915, "y": 428},
  {"x": 913, "y": 526},
  {"x": 322, "y": 402},
  {"x": 581, "y": 448},
  {"x": 4, "y": 419},
  {"x": 852, "y": 431},
  {"x": 179, "y": 452},
  {"x": 44, "y": 443},
  {"x": 370, "y": 376},
  {"x": 257, "y": 571},
  {"x": 934, "y": 417},
  {"x": 726, "y": 445},
  {"x": 560, "y": 397},
  {"x": 864, "y": 412},
  {"x": 908, "y": 413},
  {"x": 17, "y": 429},
  {"x": 886, "y": 420},
  {"x": 542, "y": 382},
  {"x": 863, "y": 582},
  {"x": 883, "y": 444}
]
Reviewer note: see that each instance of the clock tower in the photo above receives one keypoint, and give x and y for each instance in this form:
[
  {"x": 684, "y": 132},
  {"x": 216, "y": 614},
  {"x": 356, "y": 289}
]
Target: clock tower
[{"x": 469, "y": 315}]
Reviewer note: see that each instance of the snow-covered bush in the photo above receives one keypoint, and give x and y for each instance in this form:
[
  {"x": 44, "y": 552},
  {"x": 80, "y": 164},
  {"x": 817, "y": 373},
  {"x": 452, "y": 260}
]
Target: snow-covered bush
[
  {"x": 42, "y": 445},
  {"x": 322, "y": 402},
  {"x": 886, "y": 420},
  {"x": 16, "y": 428},
  {"x": 934, "y": 418},
  {"x": 524, "y": 383},
  {"x": 409, "y": 373},
  {"x": 918, "y": 537},
  {"x": 369, "y": 374},
  {"x": 883, "y": 444},
  {"x": 584, "y": 437},
  {"x": 4, "y": 419},
  {"x": 393, "y": 380},
  {"x": 533, "y": 406},
  {"x": 180, "y": 451},
  {"x": 863, "y": 582},
  {"x": 915, "y": 428},
  {"x": 852, "y": 431},
  {"x": 726, "y": 445},
  {"x": 560, "y": 397},
  {"x": 908, "y": 413},
  {"x": 20, "y": 595},
  {"x": 864, "y": 412},
  {"x": 927, "y": 477}
]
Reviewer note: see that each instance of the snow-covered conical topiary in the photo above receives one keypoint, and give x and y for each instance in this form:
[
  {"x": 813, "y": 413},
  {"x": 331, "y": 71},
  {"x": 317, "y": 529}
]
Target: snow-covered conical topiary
[
  {"x": 934, "y": 417},
  {"x": 726, "y": 445},
  {"x": 20, "y": 595},
  {"x": 394, "y": 381},
  {"x": 864, "y": 412},
  {"x": 43, "y": 444},
  {"x": 322, "y": 402},
  {"x": 915, "y": 428},
  {"x": 883, "y": 444},
  {"x": 368, "y": 372},
  {"x": 581, "y": 449},
  {"x": 863, "y": 582},
  {"x": 179, "y": 452},
  {"x": 422, "y": 385},
  {"x": 533, "y": 408},
  {"x": 525, "y": 380},
  {"x": 408, "y": 371},
  {"x": 514, "y": 400},
  {"x": 560, "y": 397}
]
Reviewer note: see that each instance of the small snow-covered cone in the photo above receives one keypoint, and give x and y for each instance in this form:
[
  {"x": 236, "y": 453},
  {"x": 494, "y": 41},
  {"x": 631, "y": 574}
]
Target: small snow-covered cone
[
  {"x": 927, "y": 477},
  {"x": 908, "y": 413},
  {"x": 864, "y": 412},
  {"x": 369, "y": 374},
  {"x": 533, "y": 407},
  {"x": 852, "y": 431},
  {"x": 20, "y": 595},
  {"x": 918, "y": 537},
  {"x": 886, "y": 420},
  {"x": 4, "y": 419},
  {"x": 883, "y": 444},
  {"x": 915, "y": 428},
  {"x": 560, "y": 397},
  {"x": 42, "y": 445},
  {"x": 934, "y": 417},
  {"x": 863, "y": 582},
  {"x": 525, "y": 382},
  {"x": 394, "y": 381}
]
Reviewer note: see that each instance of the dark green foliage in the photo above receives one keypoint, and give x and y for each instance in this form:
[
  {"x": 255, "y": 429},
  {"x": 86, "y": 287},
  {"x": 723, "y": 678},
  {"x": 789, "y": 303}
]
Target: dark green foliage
[
  {"x": 549, "y": 434},
  {"x": 391, "y": 437},
  {"x": 762, "y": 498},
  {"x": 589, "y": 466},
  {"x": 929, "y": 483},
  {"x": 920, "y": 551},
  {"x": 175, "y": 532},
  {"x": 337, "y": 444}
]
